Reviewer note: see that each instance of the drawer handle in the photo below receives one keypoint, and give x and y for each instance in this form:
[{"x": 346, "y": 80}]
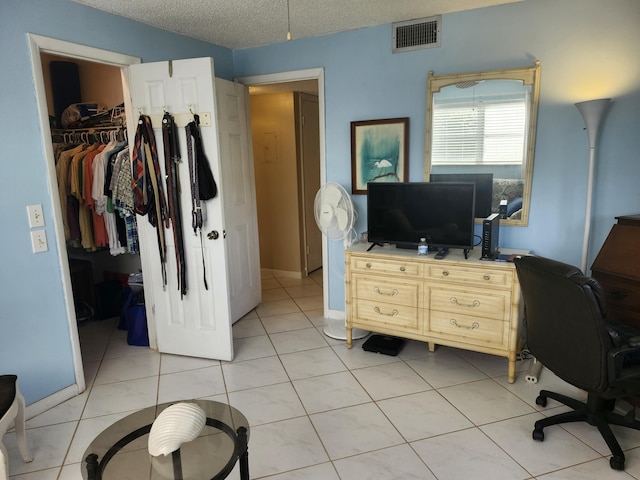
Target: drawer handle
[
  {"x": 392, "y": 294},
  {"x": 473, "y": 326},
  {"x": 619, "y": 294},
  {"x": 445, "y": 273},
  {"x": 476, "y": 303},
  {"x": 368, "y": 265},
  {"x": 402, "y": 269},
  {"x": 392, "y": 314},
  {"x": 486, "y": 277}
]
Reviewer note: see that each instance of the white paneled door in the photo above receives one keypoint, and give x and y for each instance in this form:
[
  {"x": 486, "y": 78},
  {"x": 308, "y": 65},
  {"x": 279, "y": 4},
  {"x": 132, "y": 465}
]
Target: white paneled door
[{"x": 199, "y": 324}]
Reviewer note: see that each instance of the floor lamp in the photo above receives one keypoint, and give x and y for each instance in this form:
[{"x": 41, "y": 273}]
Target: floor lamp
[{"x": 592, "y": 112}]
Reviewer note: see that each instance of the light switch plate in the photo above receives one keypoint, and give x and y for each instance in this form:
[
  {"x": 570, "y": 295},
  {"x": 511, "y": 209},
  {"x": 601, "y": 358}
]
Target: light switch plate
[
  {"x": 36, "y": 217},
  {"x": 39, "y": 241}
]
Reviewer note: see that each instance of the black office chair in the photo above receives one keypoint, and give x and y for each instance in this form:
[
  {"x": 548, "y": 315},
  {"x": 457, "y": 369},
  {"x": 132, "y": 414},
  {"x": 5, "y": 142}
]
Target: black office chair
[{"x": 568, "y": 332}]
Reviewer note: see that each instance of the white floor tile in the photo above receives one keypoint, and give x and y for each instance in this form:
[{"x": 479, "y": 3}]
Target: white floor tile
[
  {"x": 559, "y": 450},
  {"x": 423, "y": 415},
  {"x": 328, "y": 392},
  {"x": 65, "y": 412},
  {"x": 478, "y": 401},
  {"x": 594, "y": 470},
  {"x": 282, "y": 446},
  {"x": 253, "y": 373},
  {"x": 252, "y": 347},
  {"x": 48, "y": 446},
  {"x": 311, "y": 363},
  {"x": 444, "y": 368},
  {"x": 354, "y": 430},
  {"x": 121, "y": 397},
  {"x": 392, "y": 463},
  {"x": 287, "y": 322},
  {"x": 279, "y": 307},
  {"x": 268, "y": 404},
  {"x": 390, "y": 380},
  {"x": 467, "y": 454},
  {"x": 324, "y": 471},
  {"x": 190, "y": 384},
  {"x": 128, "y": 368},
  {"x": 178, "y": 363},
  {"x": 298, "y": 340}
]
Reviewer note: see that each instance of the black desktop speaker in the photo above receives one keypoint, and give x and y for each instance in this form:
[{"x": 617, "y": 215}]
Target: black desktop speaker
[{"x": 490, "y": 233}]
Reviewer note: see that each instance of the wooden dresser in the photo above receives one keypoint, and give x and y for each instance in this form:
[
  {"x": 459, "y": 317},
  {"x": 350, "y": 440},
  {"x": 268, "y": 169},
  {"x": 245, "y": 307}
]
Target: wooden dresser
[
  {"x": 464, "y": 303},
  {"x": 617, "y": 268}
]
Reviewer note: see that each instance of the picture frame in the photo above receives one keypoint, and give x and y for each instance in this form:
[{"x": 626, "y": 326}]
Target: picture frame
[{"x": 379, "y": 152}]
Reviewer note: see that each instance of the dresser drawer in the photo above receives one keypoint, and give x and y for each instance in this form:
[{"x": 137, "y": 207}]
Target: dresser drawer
[
  {"x": 482, "y": 303},
  {"x": 468, "y": 329},
  {"x": 397, "y": 292},
  {"x": 387, "y": 315},
  {"x": 395, "y": 267},
  {"x": 477, "y": 276}
]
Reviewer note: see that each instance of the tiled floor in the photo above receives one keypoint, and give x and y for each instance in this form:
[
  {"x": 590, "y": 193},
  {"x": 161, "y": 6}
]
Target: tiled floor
[{"x": 319, "y": 411}]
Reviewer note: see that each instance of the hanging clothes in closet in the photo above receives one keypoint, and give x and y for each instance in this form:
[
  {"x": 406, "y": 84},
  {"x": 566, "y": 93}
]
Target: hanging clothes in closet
[{"x": 97, "y": 212}]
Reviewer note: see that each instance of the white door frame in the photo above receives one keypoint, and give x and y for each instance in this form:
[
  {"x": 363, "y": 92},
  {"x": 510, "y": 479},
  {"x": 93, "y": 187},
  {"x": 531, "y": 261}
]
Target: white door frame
[
  {"x": 37, "y": 45},
  {"x": 297, "y": 75}
]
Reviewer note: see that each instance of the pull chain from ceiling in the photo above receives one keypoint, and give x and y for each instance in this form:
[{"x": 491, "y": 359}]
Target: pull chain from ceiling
[{"x": 288, "y": 22}]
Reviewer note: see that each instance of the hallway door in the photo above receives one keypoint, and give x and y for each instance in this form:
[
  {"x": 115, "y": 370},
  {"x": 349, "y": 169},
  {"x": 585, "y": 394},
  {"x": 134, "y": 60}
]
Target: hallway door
[{"x": 310, "y": 149}]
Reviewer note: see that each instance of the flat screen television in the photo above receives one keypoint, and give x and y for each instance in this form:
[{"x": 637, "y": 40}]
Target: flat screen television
[
  {"x": 484, "y": 188},
  {"x": 402, "y": 213}
]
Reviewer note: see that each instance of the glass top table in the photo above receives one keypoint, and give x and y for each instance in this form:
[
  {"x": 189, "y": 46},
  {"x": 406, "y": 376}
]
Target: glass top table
[{"x": 121, "y": 450}]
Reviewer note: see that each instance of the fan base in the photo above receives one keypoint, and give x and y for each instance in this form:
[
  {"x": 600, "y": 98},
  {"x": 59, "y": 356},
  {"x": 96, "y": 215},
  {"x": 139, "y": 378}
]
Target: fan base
[{"x": 336, "y": 329}]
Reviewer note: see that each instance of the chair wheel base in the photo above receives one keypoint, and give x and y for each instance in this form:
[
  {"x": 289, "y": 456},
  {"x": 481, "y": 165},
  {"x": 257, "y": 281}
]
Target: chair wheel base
[
  {"x": 617, "y": 463},
  {"x": 538, "y": 435},
  {"x": 542, "y": 401}
]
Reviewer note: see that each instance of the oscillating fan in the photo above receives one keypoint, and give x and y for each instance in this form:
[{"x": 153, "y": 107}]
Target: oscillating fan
[
  {"x": 334, "y": 212},
  {"x": 335, "y": 217}
]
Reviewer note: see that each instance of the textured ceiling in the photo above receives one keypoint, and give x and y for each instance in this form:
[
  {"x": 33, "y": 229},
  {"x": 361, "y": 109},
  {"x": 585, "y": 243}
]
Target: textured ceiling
[{"x": 250, "y": 23}]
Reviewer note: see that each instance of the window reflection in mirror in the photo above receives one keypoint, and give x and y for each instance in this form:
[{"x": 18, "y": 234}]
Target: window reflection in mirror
[{"x": 481, "y": 127}]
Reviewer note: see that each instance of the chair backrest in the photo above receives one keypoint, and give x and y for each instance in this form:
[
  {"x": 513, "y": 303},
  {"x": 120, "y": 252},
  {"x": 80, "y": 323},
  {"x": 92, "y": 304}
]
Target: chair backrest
[{"x": 565, "y": 321}]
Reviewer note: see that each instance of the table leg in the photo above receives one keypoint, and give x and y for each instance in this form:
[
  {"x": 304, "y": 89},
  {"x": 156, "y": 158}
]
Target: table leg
[
  {"x": 176, "y": 459},
  {"x": 244, "y": 456},
  {"x": 92, "y": 466}
]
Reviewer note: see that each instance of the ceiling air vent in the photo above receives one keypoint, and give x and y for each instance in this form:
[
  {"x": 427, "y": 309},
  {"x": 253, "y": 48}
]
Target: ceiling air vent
[{"x": 416, "y": 34}]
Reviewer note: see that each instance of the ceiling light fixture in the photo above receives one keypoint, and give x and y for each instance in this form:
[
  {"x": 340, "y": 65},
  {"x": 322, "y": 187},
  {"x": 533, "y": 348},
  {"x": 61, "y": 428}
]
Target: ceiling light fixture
[{"x": 288, "y": 22}]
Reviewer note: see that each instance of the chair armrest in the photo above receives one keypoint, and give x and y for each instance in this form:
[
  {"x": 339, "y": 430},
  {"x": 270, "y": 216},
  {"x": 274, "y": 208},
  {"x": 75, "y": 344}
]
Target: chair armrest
[{"x": 616, "y": 360}]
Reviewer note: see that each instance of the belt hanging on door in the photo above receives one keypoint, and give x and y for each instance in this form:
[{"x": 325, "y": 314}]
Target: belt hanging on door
[
  {"x": 148, "y": 194},
  {"x": 171, "y": 162},
  {"x": 203, "y": 185}
]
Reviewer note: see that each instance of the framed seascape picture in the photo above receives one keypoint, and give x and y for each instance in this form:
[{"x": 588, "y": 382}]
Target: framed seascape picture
[{"x": 379, "y": 152}]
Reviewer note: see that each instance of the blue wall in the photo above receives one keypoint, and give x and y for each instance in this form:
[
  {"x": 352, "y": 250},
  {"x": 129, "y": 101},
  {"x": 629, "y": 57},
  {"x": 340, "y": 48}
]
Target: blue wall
[
  {"x": 34, "y": 333},
  {"x": 588, "y": 50}
]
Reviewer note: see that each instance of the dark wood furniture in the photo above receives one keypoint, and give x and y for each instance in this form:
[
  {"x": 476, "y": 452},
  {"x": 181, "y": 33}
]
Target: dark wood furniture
[{"x": 617, "y": 268}]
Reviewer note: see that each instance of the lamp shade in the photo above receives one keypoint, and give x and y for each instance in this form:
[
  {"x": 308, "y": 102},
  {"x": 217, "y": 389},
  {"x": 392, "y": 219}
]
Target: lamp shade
[{"x": 592, "y": 111}]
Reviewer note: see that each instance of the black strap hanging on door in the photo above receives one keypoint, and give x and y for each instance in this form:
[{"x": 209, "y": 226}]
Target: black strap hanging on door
[
  {"x": 171, "y": 162},
  {"x": 148, "y": 193},
  {"x": 203, "y": 185}
]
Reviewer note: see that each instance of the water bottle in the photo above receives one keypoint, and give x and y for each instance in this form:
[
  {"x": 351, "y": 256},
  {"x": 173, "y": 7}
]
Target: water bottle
[{"x": 423, "y": 248}]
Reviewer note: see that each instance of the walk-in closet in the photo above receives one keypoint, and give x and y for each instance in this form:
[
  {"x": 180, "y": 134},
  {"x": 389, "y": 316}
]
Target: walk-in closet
[{"x": 93, "y": 181}]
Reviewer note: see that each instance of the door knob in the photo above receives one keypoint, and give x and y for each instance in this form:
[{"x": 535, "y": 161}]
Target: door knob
[{"x": 213, "y": 235}]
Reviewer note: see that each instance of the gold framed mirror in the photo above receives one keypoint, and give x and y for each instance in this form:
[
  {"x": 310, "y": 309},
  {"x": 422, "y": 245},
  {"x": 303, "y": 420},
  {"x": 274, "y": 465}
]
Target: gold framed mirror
[{"x": 481, "y": 126}]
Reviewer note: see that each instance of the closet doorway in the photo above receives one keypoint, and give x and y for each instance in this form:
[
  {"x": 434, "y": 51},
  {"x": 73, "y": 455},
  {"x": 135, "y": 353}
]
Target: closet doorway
[
  {"x": 99, "y": 269},
  {"x": 40, "y": 48}
]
